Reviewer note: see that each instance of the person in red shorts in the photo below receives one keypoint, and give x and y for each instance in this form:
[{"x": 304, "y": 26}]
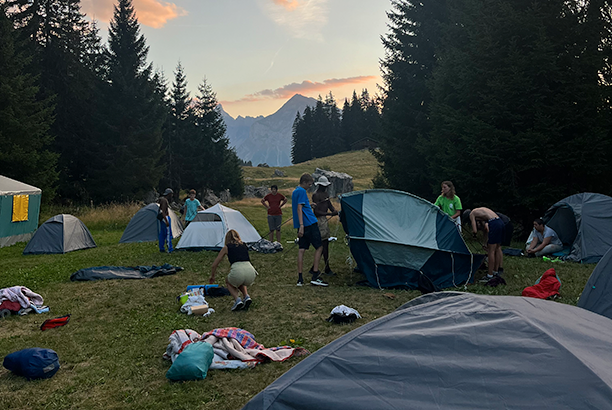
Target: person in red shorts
[{"x": 274, "y": 202}]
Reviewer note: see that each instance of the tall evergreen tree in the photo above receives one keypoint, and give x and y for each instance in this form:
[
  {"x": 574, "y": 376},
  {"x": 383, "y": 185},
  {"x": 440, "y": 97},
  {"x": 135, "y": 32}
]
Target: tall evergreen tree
[
  {"x": 69, "y": 55},
  {"x": 25, "y": 118},
  {"x": 515, "y": 83},
  {"x": 130, "y": 149},
  {"x": 301, "y": 145},
  {"x": 176, "y": 130},
  {"x": 407, "y": 68},
  {"x": 209, "y": 160}
]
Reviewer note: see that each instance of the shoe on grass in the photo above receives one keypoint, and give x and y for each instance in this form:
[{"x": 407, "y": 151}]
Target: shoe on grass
[
  {"x": 247, "y": 302},
  {"x": 330, "y": 272},
  {"x": 318, "y": 282},
  {"x": 485, "y": 279},
  {"x": 237, "y": 305},
  {"x": 300, "y": 282}
]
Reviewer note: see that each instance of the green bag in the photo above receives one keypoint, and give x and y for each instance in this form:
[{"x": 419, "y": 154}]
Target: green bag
[{"x": 192, "y": 363}]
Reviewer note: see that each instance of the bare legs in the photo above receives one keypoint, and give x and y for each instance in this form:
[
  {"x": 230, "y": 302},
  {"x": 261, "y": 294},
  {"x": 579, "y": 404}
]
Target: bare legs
[{"x": 234, "y": 290}]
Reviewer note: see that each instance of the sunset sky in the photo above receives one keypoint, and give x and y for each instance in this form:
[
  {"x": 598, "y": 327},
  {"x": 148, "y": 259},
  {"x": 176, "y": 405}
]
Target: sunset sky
[{"x": 256, "y": 54}]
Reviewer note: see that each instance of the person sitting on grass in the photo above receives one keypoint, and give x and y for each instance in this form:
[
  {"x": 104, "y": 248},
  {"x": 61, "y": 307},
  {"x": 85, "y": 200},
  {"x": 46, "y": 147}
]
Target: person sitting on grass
[
  {"x": 242, "y": 273},
  {"x": 545, "y": 240}
]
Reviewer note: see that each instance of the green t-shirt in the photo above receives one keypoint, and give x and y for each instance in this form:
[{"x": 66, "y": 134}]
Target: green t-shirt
[{"x": 449, "y": 206}]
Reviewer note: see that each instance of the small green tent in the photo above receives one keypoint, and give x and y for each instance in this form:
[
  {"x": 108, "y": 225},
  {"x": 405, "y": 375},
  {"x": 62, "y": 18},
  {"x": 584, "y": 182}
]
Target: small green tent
[{"x": 19, "y": 210}]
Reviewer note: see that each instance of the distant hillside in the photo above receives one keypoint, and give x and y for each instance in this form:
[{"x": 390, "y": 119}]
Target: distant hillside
[
  {"x": 266, "y": 139},
  {"x": 361, "y": 165}
]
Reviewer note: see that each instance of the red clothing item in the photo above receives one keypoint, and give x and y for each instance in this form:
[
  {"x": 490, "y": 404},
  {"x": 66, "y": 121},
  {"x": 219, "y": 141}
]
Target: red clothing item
[
  {"x": 274, "y": 202},
  {"x": 549, "y": 286},
  {"x": 12, "y": 306}
]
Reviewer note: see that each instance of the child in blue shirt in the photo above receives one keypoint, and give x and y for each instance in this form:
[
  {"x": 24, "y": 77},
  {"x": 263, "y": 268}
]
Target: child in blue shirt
[{"x": 305, "y": 222}]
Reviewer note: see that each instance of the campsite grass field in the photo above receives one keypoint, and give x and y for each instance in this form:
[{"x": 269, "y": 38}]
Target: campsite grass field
[{"x": 111, "y": 350}]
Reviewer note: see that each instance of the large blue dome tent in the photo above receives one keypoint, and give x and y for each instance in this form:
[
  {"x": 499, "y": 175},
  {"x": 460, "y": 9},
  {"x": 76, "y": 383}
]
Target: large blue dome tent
[
  {"x": 395, "y": 237},
  {"x": 457, "y": 351}
]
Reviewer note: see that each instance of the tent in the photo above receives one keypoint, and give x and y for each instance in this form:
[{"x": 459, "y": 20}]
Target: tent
[
  {"x": 60, "y": 234},
  {"x": 144, "y": 226},
  {"x": 596, "y": 294},
  {"x": 395, "y": 237},
  {"x": 208, "y": 229},
  {"x": 19, "y": 209},
  {"x": 584, "y": 223},
  {"x": 452, "y": 350}
]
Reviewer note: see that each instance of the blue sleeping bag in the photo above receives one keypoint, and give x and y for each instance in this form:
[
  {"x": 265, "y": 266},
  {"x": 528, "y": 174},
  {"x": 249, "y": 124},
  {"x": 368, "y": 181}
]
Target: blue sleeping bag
[{"x": 33, "y": 363}]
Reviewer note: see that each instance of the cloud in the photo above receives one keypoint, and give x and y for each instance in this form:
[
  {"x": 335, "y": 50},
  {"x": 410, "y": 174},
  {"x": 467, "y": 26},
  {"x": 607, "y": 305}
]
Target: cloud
[
  {"x": 301, "y": 18},
  {"x": 305, "y": 87},
  {"x": 152, "y": 13},
  {"x": 288, "y": 4}
]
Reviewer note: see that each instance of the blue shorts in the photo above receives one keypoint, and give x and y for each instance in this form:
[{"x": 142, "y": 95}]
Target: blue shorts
[
  {"x": 312, "y": 236},
  {"x": 496, "y": 231}
]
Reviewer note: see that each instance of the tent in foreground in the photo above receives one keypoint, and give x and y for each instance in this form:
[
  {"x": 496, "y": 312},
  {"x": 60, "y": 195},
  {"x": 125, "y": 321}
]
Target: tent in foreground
[
  {"x": 208, "y": 229},
  {"x": 596, "y": 294},
  {"x": 452, "y": 350},
  {"x": 19, "y": 209},
  {"x": 584, "y": 223},
  {"x": 144, "y": 226},
  {"x": 395, "y": 237},
  {"x": 60, "y": 234}
]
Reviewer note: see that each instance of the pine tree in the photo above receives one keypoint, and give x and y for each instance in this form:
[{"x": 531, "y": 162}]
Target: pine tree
[
  {"x": 68, "y": 53},
  {"x": 516, "y": 90},
  {"x": 24, "y": 118},
  {"x": 176, "y": 129},
  {"x": 407, "y": 68},
  {"x": 130, "y": 151},
  {"x": 209, "y": 161}
]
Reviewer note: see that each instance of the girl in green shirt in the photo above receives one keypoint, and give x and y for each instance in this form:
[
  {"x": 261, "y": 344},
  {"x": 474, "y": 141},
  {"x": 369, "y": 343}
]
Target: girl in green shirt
[{"x": 450, "y": 203}]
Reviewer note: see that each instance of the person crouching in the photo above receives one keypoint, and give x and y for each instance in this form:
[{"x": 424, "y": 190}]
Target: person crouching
[{"x": 242, "y": 273}]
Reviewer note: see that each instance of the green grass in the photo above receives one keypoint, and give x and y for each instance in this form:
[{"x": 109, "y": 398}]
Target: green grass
[{"x": 111, "y": 351}]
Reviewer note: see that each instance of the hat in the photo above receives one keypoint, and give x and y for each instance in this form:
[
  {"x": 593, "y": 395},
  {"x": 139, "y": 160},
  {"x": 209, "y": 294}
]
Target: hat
[
  {"x": 168, "y": 191},
  {"x": 323, "y": 181}
]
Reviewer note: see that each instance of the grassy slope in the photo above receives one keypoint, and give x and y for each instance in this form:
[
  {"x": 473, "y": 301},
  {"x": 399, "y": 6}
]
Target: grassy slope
[{"x": 111, "y": 351}]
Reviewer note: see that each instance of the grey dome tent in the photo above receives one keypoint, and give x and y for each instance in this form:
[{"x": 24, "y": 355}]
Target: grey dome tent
[
  {"x": 60, "y": 234},
  {"x": 597, "y": 292},
  {"x": 144, "y": 226},
  {"x": 395, "y": 237},
  {"x": 584, "y": 223},
  {"x": 458, "y": 351}
]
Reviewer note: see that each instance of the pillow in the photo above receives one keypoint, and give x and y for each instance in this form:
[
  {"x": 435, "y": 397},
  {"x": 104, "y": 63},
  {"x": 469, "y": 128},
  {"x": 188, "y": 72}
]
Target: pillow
[
  {"x": 34, "y": 363},
  {"x": 192, "y": 363}
]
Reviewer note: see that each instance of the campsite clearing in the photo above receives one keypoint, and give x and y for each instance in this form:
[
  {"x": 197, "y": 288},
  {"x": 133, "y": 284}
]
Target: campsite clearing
[{"x": 111, "y": 351}]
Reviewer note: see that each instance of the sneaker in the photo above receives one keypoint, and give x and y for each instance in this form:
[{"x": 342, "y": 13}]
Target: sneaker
[
  {"x": 330, "y": 272},
  {"x": 237, "y": 305},
  {"x": 485, "y": 279},
  {"x": 318, "y": 282},
  {"x": 247, "y": 302},
  {"x": 300, "y": 282}
]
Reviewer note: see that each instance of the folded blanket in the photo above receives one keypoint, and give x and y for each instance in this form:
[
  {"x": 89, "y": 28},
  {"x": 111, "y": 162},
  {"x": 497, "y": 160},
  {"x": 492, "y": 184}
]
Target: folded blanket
[{"x": 24, "y": 296}]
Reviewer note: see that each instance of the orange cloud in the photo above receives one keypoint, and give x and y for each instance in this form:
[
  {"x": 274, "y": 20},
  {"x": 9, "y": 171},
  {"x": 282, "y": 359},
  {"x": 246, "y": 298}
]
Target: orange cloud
[
  {"x": 288, "y": 4},
  {"x": 304, "y": 87},
  {"x": 152, "y": 13}
]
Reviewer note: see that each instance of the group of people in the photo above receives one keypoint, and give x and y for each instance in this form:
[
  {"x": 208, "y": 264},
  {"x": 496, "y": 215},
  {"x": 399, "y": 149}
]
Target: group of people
[
  {"x": 542, "y": 241},
  {"x": 313, "y": 229},
  {"x": 311, "y": 224}
]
